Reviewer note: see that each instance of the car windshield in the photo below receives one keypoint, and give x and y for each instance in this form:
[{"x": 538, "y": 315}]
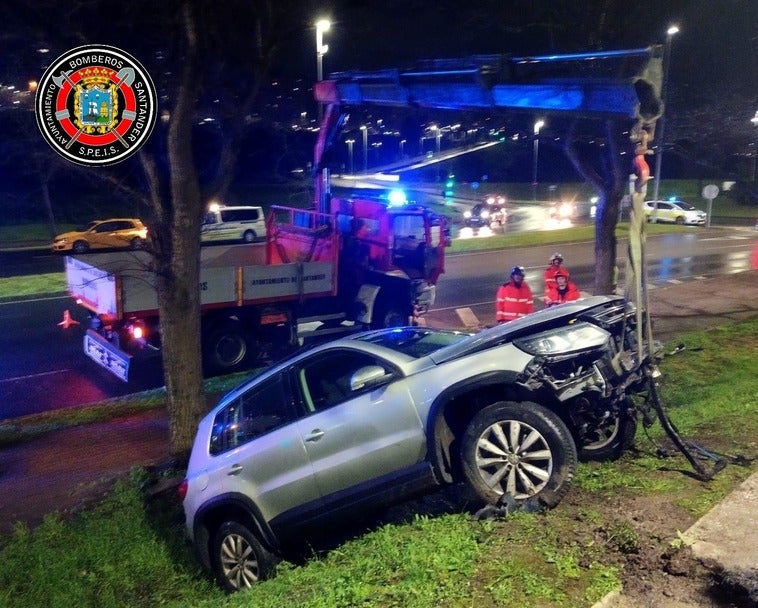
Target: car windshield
[
  {"x": 415, "y": 342},
  {"x": 685, "y": 206}
]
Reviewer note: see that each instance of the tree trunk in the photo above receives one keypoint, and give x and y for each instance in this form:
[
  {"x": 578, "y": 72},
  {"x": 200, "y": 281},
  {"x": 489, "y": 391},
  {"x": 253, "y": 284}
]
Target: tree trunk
[
  {"x": 177, "y": 248},
  {"x": 610, "y": 186}
]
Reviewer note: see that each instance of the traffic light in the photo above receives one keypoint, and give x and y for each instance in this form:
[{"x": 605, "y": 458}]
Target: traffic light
[{"x": 449, "y": 185}]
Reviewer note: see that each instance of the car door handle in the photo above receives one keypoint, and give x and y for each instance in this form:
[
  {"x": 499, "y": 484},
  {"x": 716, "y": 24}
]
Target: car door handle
[
  {"x": 235, "y": 469},
  {"x": 315, "y": 435}
]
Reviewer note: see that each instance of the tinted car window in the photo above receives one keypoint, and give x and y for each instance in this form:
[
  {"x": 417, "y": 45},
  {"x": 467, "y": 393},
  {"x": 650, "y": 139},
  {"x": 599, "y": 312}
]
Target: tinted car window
[
  {"x": 325, "y": 379},
  {"x": 239, "y": 215},
  {"x": 263, "y": 408}
]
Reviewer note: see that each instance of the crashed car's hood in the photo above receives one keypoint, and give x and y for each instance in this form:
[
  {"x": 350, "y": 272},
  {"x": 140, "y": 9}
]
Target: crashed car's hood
[{"x": 555, "y": 316}]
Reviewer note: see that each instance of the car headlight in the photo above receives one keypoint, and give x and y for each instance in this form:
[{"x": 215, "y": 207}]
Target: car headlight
[
  {"x": 573, "y": 338},
  {"x": 467, "y": 214}
]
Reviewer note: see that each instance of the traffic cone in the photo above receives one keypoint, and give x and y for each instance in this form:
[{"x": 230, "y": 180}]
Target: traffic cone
[{"x": 67, "y": 320}]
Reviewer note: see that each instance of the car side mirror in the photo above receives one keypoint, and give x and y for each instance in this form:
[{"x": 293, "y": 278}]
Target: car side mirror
[{"x": 370, "y": 376}]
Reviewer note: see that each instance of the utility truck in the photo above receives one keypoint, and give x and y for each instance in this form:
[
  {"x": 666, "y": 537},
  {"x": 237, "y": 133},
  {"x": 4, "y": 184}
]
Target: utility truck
[{"x": 366, "y": 263}]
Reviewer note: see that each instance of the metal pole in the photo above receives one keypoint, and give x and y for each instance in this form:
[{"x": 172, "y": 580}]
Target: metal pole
[
  {"x": 534, "y": 169},
  {"x": 662, "y": 120},
  {"x": 321, "y": 26},
  {"x": 365, "y": 148},
  {"x": 350, "y": 143},
  {"x": 537, "y": 126}
]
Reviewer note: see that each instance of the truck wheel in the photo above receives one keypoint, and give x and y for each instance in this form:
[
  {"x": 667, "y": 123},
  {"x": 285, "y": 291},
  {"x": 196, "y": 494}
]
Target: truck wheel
[
  {"x": 80, "y": 247},
  {"x": 226, "y": 347},
  {"x": 522, "y": 450},
  {"x": 239, "y": 558},
  {"x": 249, "y": 236},
  {"x": 387, "y": 314}
]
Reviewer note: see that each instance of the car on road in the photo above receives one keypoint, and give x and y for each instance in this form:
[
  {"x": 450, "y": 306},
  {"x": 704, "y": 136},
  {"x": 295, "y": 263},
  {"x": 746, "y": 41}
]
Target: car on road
[
  {"x": 240, "y": 223},
  {"x": 485, "y": 214},
  {"x": 115, "y": 233},
  {"x": 675, "y": 212},
  {"x": 375, "y": 418}
]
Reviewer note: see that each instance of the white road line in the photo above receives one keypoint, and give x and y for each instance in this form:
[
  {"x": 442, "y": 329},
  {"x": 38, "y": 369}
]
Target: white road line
[{"x": 57, "y": 371}]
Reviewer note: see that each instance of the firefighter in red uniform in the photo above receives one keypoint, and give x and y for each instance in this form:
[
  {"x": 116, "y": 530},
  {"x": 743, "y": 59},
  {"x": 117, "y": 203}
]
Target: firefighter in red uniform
[
  {"x": 514, "y": 298},
  {"x": 562, "y": 291},
  {"x": 556, "y": 266}
]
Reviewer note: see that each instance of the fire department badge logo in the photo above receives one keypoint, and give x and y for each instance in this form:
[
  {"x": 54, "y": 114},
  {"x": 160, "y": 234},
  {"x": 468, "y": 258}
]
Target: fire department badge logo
[{"x": 96, "y": 105}]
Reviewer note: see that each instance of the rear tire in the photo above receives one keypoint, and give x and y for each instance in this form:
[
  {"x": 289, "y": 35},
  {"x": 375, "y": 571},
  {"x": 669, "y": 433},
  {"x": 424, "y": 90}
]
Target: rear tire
[
  {"x": 239, "y": 559},
  {"x": 226, "y": 347},
  {"x": 521, "y": 450}
]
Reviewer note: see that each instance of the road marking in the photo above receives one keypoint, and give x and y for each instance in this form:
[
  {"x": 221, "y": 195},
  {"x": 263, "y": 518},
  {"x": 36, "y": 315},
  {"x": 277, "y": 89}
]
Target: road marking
[{"x": 57, "y": 371}]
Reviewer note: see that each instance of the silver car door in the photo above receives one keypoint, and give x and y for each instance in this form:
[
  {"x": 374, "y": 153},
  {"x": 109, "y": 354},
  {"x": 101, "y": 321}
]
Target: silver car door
[{"x": 356, "y": 437}]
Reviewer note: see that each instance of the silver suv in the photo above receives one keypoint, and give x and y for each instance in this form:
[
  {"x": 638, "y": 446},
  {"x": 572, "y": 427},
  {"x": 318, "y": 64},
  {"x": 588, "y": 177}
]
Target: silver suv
[{"x": 379, "y": 416}]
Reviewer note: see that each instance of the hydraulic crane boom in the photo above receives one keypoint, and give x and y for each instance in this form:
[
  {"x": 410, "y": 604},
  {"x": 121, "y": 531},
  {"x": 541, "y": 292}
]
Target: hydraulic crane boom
[{"x": 623, "y": 84}]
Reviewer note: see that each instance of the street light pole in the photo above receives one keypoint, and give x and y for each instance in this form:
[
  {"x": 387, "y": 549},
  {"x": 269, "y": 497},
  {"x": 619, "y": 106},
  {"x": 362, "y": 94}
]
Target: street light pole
[
  {"x": 350, "y": 143},
  {"x": 402, "y": 148},
  {"x": 673, "y": 30},
  {"x": 754, "y": 120},
  {"x": 364, "y": 128},
  {"x": 322, "y": 25},
  {"x": 537, "y": 126}
]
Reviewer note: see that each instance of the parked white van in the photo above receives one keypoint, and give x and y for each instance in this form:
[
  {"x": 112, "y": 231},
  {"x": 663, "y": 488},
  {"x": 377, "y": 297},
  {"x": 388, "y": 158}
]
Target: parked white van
[{"x": 221, "y": 223}]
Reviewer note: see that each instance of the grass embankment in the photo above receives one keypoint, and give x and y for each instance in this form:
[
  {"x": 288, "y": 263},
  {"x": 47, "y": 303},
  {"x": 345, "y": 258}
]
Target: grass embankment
[{"x": 128, "y": 551}]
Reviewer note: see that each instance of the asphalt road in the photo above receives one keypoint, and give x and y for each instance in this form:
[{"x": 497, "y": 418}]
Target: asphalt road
[{"x": 42, "y": 366}]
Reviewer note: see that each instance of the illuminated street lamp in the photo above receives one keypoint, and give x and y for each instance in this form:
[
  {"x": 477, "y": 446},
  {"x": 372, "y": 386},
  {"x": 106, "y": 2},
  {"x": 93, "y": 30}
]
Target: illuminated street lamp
[
  {"x": 322, "y": 25},
  {"x": 670, "y": 33},
  {"x": 402, "y": 147},
  {"x": 537, "y": 126},
  {"x": 437, "y": 135},
  {"x": 364, "y": 128},
  {"x": 350, "y": 143}
]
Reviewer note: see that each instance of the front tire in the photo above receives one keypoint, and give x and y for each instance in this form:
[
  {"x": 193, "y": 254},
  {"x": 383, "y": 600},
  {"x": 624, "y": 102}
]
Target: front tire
[
  {"x": 136, "y": 243},
  {"x": 249, "y": 237},
  {"x": 80, "y": 247},
  {"x": 389, "y": 315},
  {"x": 239, "y": 558},
  {"x": 609, "y": 439},
  {"x": 522, "y": 450}
]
